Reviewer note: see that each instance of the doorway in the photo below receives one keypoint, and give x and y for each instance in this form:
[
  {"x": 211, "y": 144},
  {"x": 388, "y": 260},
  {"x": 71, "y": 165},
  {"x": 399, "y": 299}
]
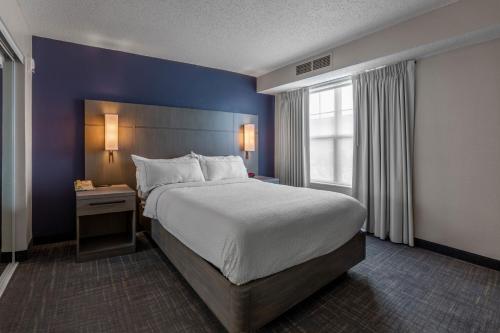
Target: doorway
[
  {"x": 2, "y": 264},
  {"x": 11, "y": 98}
]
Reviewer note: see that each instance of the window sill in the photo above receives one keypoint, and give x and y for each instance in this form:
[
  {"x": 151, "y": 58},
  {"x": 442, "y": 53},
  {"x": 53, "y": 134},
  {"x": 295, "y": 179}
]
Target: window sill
[{"x": 331, "y": 187}]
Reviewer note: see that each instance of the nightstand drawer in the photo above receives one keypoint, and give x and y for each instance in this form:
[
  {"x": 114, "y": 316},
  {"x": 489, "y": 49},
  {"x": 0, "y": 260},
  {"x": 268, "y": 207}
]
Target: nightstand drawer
[{"x": 105, "y": 205}]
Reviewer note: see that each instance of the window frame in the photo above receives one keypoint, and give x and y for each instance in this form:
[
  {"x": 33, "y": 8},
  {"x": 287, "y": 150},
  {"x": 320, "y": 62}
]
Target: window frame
[{"x": 335, "y": 85}]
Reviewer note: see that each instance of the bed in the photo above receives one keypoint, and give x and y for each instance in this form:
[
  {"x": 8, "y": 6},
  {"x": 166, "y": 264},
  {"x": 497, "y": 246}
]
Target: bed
[{"x": 251, "y": 250}]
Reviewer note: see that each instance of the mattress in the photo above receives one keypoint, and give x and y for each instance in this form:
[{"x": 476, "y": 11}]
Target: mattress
[{"x": 250, "y": 229}]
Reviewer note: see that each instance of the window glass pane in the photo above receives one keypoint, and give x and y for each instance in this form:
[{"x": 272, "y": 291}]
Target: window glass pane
[
  {"x": 343, "y": 160},
  {"x": 326, "y": 100},
  {"x": 331, "y": 131},
  {"x": 322, "y": 126},
  {"x": 345, "y": 122},
  {"x": 313, "y": 104},
  {"x": 346, "y": 97},
  {"x": 322, "y": 160}
]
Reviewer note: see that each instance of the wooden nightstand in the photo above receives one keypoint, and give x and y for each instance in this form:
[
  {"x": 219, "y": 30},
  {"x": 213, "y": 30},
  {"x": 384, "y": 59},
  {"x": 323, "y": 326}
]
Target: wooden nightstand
[
  {"x": 268, "y": 179},
  {"x": 105, "y": 222}
]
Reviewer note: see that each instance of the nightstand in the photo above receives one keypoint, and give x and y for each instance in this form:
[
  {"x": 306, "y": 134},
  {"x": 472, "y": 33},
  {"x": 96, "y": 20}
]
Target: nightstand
[
  {"x": 105, "y": 222},
  {"x": 268, "y": 179}
]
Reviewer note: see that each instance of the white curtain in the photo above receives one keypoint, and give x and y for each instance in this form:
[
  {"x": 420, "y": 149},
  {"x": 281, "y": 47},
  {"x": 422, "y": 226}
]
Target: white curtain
[
  {"x": 292, "y": 137},
  {"x": 384, "y": 108}
]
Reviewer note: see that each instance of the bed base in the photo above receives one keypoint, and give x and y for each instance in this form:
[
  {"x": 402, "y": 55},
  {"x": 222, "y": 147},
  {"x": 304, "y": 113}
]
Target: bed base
[{"x": 250, "y": 306}]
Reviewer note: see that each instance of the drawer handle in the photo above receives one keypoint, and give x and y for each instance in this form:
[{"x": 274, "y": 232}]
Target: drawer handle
[{"x": 106, "y": 203}]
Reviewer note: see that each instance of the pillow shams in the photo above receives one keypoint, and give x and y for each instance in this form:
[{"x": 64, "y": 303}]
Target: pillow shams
[
  {"x": 222, "y": 167},
  {"x": 152, "y": 173}
]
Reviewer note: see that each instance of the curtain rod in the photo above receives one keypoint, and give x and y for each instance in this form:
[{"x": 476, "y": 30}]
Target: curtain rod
[
  {"x": 374, "y": 69},
  {"x": 393, "y": 63}
]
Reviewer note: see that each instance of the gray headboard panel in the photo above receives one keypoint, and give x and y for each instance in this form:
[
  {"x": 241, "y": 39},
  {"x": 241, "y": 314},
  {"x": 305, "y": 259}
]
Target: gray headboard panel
[{"x": 160, "y": 132}]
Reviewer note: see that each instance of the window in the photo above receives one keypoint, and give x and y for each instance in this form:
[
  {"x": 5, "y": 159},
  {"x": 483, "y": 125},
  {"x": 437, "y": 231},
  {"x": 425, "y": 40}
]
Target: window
[{"x": 331, "y": 133}]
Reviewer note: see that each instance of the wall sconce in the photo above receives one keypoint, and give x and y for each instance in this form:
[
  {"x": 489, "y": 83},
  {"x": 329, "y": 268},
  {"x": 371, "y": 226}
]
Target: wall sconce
[
  {"x": 248, "y": 138},
  {"x": 111, "y": 134}
]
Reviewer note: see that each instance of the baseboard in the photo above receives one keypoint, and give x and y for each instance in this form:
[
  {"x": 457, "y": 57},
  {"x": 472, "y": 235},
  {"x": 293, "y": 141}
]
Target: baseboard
[
  {"x": 458, "y": 254},
  {"x": 20, "y": 255},
  {"x": 53, "y": 239},
  {"x": 435, "y": 247}
]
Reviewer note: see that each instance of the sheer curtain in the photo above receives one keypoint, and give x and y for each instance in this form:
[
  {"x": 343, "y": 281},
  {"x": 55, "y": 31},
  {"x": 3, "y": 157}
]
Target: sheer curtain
[
  {"x": 384, "y": 109},
  {"x": 292, "y": 137}
]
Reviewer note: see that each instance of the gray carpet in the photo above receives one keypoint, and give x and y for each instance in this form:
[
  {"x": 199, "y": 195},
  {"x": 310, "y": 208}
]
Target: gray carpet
[{"x": 396, "y": 289}]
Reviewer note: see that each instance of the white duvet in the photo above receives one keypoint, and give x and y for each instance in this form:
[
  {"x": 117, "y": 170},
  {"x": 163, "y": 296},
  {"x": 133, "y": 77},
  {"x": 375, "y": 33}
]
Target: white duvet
[{"x": 250, "y": 229}]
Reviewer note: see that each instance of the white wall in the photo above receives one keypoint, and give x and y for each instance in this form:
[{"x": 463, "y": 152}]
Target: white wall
[
  {"x": 12, "y": 17},
  {"x": 457, "y": 149}
]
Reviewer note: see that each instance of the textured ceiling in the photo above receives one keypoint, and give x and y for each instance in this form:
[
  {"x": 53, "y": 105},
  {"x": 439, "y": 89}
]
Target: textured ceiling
[{"x": 246, "y": 36}]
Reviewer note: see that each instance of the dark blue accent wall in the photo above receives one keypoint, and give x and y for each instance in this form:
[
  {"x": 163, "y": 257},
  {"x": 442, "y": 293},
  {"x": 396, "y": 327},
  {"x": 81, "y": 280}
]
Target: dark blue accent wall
[{"x": 67, "y": 74}]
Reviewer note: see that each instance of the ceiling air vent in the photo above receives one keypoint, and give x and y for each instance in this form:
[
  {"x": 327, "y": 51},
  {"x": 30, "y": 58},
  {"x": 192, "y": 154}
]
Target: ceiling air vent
[
  {"x": 316, "y": 64},
  {"x": 321, "y": 62},
  {"x": 303, "y": 68}
]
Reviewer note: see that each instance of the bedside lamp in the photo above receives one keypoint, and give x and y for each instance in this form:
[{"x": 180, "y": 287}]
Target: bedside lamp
[
  {"x": 248, "y": 138},
  {"x": 111, "y": 134}
]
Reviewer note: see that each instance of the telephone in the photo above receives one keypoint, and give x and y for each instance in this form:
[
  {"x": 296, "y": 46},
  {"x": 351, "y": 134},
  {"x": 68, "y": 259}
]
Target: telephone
[{"x": 84, "y": 185}]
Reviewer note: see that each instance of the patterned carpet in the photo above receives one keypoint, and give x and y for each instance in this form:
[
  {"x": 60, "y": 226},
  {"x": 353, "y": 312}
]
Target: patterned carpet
[{"x": 396, "y": 289}]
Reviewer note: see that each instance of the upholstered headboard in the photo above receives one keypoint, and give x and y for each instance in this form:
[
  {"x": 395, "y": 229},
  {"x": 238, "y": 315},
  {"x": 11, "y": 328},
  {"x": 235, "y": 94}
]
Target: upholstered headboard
[{"x": 160, "y": 132}]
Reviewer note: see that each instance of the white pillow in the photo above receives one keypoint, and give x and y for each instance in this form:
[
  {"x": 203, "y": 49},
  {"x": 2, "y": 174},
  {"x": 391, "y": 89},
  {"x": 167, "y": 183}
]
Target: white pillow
[
  {"x": 151, "y": 173},
  {"x": 222, "y": 167}
]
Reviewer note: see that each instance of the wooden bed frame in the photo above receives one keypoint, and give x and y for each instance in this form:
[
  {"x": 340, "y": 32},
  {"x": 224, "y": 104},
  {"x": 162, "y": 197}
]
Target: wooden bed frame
[
  {"x": 166, "y": 132},
  {"x": 250, "y": 306}
]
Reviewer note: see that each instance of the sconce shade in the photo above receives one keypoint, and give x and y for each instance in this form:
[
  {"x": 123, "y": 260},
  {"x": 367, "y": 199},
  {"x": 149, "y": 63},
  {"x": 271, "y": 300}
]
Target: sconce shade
[
  {"x": 249, "y": 137},
  {"x": 111, "y": 132}
]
